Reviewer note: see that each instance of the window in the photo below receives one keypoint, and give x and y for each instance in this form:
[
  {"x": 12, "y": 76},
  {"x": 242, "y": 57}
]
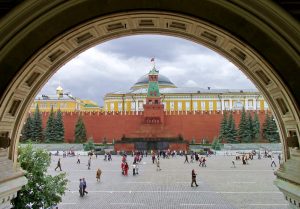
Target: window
[
  {"x": 226, "y": 104},
  {"x": 203, "y": 105},
  {"x": 238, "y": 105},
  {"x": 187, "y": 106},
  {"x": 172, "y": 105},
  {"x": 165, "y": 105},
  {"x": 112, "y": 106},
  {"x": 53, "y": 105},
  {"x": 106, "y": 107},
  {"x": 195, "y": 105},
  {"x": 211, "y": 105},
  {"x": 266, "y": 106},
  {"x": 218, "y": 105},
  {"x": 179, "y": 106},
  {"x": 141, "y": 105},
  {"x": 250, "y": 103},
  {"x": 120, "y": 106},
  {"x": 132, "y": 106},
  {"x": 258, "y": 104}
]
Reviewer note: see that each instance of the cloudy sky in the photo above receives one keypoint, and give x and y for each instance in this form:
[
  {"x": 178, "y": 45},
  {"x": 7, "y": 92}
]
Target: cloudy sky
[{"x": 117, "y": 65}]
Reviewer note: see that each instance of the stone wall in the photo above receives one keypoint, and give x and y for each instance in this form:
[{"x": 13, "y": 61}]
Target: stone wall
[{"x": 112, "y": 126}]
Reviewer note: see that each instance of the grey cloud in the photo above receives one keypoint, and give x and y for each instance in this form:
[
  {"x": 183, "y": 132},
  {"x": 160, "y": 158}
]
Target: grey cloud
[{"x": 117, "y": 64}]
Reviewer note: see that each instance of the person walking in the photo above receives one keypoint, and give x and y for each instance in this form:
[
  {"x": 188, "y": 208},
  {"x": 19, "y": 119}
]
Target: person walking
[
  {"x": 158, "y": 165},
  {"x": 279, "y": 158},
  {"x": 84, "y": 186},
  {"x": 58, "y": 165},
  {"x": 78, "y": 159},
  {"x": 126, "y": 167},
  {"x": 89, "y": 163},
  {"x": 186, "y": 158},
  {"x": 194, "y": 178},
  {"x": 133, "y": 168},
  {"x": 273, "y": 162},
  {"x": 153, "y": 158},
  {"x": 98, "y": 174},
  {"x": 81, "y": 193}
]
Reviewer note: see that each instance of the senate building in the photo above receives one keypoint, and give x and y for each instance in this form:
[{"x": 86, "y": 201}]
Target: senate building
[{"x": 184, "y": 98}]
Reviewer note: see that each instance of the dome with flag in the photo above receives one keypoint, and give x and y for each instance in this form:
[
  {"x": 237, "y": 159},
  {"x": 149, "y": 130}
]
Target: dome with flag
[{"x": 163, "y": 82}]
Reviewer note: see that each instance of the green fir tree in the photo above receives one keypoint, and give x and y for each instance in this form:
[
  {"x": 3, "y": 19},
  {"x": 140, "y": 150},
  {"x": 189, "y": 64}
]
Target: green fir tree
[
  {"x": 80, "y": 131},
  {"x": 50, "y": 131},
  {"x": 242, "y": 134},
  {"x": 27, "y": 130},
  {"x": 232, "y": 133},
  {"x": 59, "y": 127},
  {"x": 37, "y": 129},
  {"x": 256, "y": 127},
  {"x": 223, "y": 127},
  {"x": 248, "y": 133},
  {"x": 42, "y": 190},
  {"x": 270, "y": 131}
]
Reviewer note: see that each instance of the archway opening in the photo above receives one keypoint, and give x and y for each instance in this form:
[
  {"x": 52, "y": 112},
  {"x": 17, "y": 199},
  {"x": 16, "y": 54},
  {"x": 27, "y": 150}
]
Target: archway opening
[{"x": 279, "y": 98}]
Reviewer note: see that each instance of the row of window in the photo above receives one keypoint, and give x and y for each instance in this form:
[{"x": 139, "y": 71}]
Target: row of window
[
  {"x": 49, "y": 105},
  {"x": 237, "y": 105}
]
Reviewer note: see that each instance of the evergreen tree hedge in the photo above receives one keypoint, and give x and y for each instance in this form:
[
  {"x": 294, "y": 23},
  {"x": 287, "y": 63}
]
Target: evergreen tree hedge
[
  {"x": 50, "y": 131},
  {"x": 80, "y": 131},
  {"x": 59, "y": 127},
  {"x": 37, "y": 129},
  {"x": 27, "y": 130}
]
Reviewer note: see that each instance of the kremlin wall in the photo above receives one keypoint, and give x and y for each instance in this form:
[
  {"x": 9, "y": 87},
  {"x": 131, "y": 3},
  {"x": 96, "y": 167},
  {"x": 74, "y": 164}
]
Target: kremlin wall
[{"x": 112, "y": 126}]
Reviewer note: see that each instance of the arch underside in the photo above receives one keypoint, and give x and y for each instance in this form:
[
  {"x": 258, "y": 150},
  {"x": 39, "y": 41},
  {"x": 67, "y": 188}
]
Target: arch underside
[{"x": 36, "y": 44}]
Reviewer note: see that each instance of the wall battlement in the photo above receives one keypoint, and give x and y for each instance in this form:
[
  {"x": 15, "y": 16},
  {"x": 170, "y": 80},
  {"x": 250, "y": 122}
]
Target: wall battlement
[{"x": 112, "y": 126}]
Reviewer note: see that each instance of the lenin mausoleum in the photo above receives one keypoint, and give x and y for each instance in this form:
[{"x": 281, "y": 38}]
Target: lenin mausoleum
[{"x": 153, "y": 114}]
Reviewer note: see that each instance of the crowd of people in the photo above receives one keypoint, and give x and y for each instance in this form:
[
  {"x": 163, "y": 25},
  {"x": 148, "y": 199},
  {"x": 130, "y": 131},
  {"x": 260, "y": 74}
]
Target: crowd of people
[{"x": 165, "y": 154}]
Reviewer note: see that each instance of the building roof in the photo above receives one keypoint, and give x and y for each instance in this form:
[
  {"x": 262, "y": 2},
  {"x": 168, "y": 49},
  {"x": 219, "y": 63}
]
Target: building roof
[
  {"x": 163, "y": 82},
  {"x": 53, "y": 97},
  {"x": 188, "y": 90}
]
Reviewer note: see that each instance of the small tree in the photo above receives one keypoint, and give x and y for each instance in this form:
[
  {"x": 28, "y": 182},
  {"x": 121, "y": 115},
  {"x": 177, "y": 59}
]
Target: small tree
[
  {"x": 37, "y": 129},
  {"x": 50, "y": 131},
  {"x": 89, "y": 145},
  {"x": 216, "y": 145},
  {"x": 248, "y": 131},
  {"x": 59, "y": 127},
  {"x": 27, "y": 129},
  {"x": 42, "y": 190},
  {"x": 232, "y": 133},
  {"x": 256, "y": 127},
  {"x": 242, "y": 134},
  {"x": 270, "y": 131},
  {"x": 80, "y": 131}
]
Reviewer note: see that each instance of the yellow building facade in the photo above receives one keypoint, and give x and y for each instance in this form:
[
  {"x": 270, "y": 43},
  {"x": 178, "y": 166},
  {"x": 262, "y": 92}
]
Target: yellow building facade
[
  {"x": 64, "y": 102},
  {"x": 184, "y": 99}
]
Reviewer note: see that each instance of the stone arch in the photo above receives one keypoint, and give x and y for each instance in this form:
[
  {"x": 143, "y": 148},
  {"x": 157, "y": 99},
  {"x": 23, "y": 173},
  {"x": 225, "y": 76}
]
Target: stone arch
[{"x": 39, "y": 37}]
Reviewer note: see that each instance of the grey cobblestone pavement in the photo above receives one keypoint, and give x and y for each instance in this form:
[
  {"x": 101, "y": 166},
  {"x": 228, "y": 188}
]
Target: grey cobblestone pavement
[{"x": 220, "y": 185}]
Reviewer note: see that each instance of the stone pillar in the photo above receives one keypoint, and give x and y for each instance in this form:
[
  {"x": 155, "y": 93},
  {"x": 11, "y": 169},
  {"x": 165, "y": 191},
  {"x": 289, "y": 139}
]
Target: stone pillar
[
  {"x": 288, "y": 178},
  {"x": 11, "y": 180}
]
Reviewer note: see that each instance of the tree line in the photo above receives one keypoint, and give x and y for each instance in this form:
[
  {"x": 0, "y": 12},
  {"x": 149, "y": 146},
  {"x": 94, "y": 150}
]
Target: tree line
[
  {"x": 53, "y": 132},
  {"x": 249, "y": 129}
]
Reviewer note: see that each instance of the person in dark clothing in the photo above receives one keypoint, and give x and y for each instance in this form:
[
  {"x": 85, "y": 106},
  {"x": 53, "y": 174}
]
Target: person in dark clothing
[
  {"x": 84, "y": 186},
  {"x": 81, "y": 188},
  {"x": 186, "y": 159},
  {"x": 194, "y": 178},
  {"x": 58, "y": 165}
]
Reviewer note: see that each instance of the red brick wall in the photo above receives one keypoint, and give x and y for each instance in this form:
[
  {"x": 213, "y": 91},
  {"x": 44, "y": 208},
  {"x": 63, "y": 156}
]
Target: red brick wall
[{"x": 197, "y": 125}]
